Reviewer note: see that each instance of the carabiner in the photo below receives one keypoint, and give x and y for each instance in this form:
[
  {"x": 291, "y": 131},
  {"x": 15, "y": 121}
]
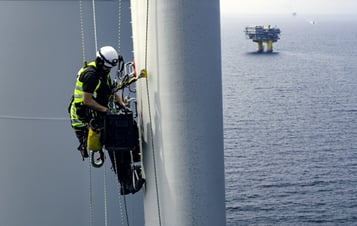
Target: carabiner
[{"x": 98, "y": 162}]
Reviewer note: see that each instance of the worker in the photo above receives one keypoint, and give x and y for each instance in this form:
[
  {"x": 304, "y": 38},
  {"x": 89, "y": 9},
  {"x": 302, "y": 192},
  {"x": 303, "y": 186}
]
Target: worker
[
  {"x": 89, "y": 106},
  {"x": 92, "y": 91}
]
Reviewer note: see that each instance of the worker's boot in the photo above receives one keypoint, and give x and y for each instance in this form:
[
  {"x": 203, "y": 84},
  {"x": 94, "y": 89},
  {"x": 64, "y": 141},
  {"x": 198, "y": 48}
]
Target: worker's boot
[
  {"x": 128, "y": 188},
  {"x": 138, "y": 178},
  {"x": 131, "y": 180},
  {"x": 139, "y": 184}
]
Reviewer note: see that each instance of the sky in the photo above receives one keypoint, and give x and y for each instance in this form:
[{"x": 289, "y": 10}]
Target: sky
[{"x": 288, "y": 6}]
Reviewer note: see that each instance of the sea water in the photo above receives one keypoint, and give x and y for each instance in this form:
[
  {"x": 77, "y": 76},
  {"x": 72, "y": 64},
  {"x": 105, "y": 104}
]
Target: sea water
[{"x": 290, "y": 122}]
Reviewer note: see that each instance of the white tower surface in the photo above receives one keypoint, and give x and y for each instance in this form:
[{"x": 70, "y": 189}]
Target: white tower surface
[{"x": 180, "y": 111}]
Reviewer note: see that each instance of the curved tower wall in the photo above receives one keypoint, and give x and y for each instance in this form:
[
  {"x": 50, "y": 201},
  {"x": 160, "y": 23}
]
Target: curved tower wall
[{"x": 180, "y": 107}]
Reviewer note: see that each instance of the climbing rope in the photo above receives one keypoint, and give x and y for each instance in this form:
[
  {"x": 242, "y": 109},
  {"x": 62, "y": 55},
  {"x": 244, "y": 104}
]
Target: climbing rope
[
  {"x": 119, "y": 25},
  {"x": 90, "y": 193},
  {"x": 84, "y": 59},
  {"x": 104, "y": 177},
  {"x": 105, "y": 195},
  {"x": 94, "y": 26},
  {"x": 121, "y": 198},
  {"x": 82, "y": 30},
  {"x": 124, "y": 218},
  {"x": 150, "y": 114},
  {"x": 90, "y": 157}
]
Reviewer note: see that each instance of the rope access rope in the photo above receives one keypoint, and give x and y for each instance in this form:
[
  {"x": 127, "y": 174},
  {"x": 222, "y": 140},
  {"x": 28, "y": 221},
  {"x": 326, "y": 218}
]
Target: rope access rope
[
  {"x": 94, "y": 26},
  {"x": 119, "y": 25},
  {"x": 82, "y": 30},
  {"x": 84, "y": 59},
  {"x": 90, "y": 192},
  {"x": 90, "y": 174},
  {"x": 120, "y": 198},
  {"x": 126, "y": 217},
  {"x": 105, "y": 195},
  {"x": 104, "y": 178},
  {"x": 150, "y": 115}
]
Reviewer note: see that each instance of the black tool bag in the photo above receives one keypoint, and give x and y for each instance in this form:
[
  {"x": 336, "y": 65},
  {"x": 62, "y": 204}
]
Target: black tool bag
[{"x": 120, "y": 132}]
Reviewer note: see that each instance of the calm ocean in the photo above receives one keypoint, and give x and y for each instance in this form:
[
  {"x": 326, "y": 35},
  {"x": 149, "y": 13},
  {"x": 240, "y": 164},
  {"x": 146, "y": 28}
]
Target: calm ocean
[{"x": 290, "y": 122}]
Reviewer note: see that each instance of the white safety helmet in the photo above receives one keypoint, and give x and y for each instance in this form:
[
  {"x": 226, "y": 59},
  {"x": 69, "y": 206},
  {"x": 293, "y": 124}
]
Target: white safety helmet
[{"x": 108, "y": 56}]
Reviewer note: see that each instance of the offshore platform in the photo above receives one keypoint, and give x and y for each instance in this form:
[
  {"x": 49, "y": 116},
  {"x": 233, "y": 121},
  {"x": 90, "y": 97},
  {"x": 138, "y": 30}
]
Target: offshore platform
[{"x": 261, "y": 34}]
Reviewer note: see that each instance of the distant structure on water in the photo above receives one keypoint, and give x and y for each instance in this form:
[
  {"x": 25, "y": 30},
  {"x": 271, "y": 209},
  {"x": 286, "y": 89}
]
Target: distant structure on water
[{"x": 261, "y": 34}]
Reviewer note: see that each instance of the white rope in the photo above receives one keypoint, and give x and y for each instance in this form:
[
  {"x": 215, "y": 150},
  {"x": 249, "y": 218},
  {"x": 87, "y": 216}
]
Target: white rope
[
  {"x": 95, "y": 26},
  {"x": 119, "y": 25},
  {"x": 104, "y": 180},
  {"x": 82, "y": 30},
  {"x": 90, "y": 156},
  {"x": 105, "y": 195},
  {"x": 90, "y": 192},
  {"x": 90, "y": 176},
  {"x": 122, "y": 199},
  {"x": 123, "y": 210}
]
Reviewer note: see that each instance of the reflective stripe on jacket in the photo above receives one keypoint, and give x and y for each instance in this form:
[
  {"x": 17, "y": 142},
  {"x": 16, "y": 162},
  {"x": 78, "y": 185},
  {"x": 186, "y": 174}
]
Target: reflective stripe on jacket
[{"x": 78, "y": 90}]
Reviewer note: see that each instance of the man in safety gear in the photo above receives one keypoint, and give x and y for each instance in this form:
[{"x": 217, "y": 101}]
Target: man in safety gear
[{"x": 91, "y": 94}]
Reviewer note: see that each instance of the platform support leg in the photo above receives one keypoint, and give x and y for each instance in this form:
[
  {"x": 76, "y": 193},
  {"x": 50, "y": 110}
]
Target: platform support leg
[
  {"x": 260, "y": 47},
  {"x": 270, "y": 46}
]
